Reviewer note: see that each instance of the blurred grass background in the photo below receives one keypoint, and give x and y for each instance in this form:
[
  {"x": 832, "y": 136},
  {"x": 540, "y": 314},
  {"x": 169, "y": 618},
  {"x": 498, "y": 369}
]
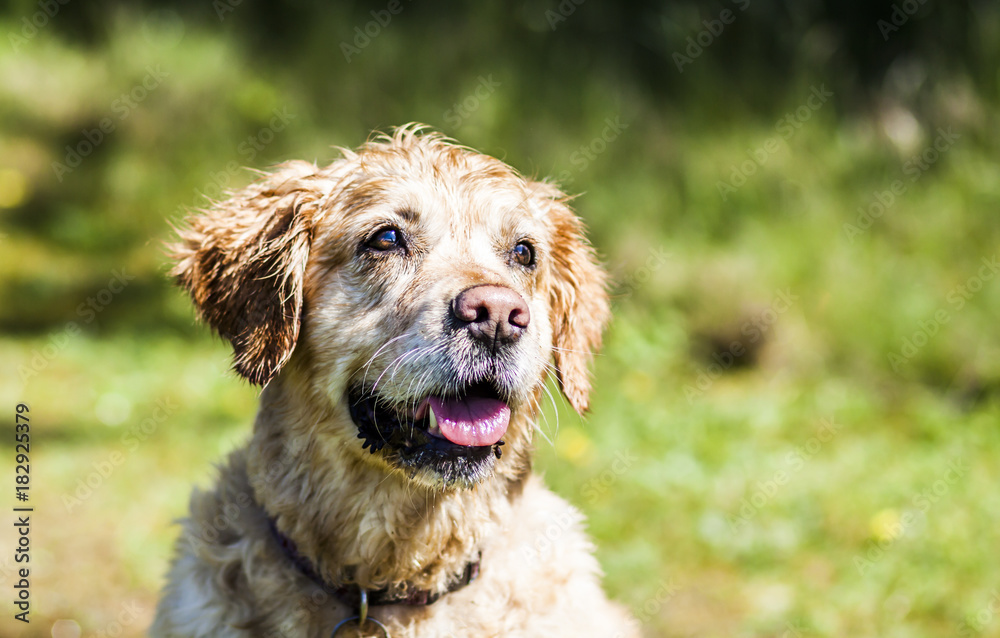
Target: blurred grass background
[{"x": 795, "y": 428}]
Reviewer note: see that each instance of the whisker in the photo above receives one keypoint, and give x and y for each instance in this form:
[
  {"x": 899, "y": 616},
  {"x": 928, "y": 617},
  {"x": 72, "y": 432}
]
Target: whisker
[
  {"x": 399, "y": 362},
  {"x": 591, "y": 353},
  {"x": 537, "y": 408},
  {"x": 367, "y": 366},
  {"x": 388, "y": 367},
  {"x": 544, "y": 435},
  {"x": 555, "y": 408},
  {"x": 427, "y": 352},
  {"x": 412, "y": 400}
]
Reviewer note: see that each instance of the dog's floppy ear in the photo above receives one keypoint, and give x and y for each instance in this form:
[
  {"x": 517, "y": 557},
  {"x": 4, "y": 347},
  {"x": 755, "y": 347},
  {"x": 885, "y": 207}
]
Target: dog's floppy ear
[
  {"x": 577, "y": 297},
  {"x": 243, "y": 261}
]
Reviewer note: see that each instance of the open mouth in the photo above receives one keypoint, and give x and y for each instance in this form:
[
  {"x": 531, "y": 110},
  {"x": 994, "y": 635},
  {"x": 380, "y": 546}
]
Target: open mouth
[{"x": 457, "y": 435}]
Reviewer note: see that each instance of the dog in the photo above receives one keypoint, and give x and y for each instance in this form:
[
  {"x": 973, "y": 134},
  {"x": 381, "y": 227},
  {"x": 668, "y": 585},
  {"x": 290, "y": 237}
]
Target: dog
[{"x": 402, "y": 309}]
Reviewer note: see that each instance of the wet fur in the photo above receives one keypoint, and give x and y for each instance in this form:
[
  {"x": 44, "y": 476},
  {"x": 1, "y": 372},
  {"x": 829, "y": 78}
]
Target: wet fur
[{"x": 276, "y": 270}]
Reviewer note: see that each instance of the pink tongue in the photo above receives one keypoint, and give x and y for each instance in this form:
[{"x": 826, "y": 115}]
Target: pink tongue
[{"x": 472, "y": 421}]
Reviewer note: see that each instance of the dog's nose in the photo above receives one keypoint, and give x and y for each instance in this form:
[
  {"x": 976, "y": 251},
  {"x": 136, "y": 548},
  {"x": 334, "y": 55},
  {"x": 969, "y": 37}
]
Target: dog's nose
[{"x": 493, "y": 314}]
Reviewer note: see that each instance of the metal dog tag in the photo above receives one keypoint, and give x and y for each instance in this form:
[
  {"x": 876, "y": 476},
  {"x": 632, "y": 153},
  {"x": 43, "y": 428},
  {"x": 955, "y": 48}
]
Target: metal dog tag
[{"x": 353, "y": 628}]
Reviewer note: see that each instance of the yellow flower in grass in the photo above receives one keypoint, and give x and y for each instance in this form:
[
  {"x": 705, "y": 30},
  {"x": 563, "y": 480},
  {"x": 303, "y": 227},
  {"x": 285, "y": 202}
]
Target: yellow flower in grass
[
  {"x": 573, "y": 445},
  {"x": 886, "y": 527}
]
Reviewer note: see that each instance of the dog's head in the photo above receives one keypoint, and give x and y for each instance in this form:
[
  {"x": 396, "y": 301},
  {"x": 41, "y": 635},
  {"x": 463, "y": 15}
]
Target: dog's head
[{"x": 425, "y": 289}]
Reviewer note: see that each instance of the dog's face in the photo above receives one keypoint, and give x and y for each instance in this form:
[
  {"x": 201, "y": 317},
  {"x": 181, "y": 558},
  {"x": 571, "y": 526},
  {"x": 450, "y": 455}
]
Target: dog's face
[{"x": 425, "y": 289}]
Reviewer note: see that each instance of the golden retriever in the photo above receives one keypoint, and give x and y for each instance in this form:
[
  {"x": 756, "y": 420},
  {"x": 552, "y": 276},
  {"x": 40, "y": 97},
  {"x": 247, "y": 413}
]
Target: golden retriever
[{"x": 402, "y": 309}]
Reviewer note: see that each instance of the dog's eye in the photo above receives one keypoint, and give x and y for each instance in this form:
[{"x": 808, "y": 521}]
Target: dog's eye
[
  {"x": 523, "y": 254},
  {"x": 385, "y": 239}
]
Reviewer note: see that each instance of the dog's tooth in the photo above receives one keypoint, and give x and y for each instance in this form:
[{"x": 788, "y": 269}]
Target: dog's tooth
[{"x": 433, "y": 424}]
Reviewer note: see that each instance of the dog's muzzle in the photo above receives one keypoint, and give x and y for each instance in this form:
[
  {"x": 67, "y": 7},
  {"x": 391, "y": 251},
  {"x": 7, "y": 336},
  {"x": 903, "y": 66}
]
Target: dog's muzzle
[{"x": 458, "y": 436}]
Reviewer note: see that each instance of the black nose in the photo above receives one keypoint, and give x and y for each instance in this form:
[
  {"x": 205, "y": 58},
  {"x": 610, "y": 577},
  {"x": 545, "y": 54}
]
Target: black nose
[{"x": 492, "y": 314}]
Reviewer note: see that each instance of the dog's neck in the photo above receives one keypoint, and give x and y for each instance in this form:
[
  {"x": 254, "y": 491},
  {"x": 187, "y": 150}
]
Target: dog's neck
[{"x": 357, "y": 522}]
